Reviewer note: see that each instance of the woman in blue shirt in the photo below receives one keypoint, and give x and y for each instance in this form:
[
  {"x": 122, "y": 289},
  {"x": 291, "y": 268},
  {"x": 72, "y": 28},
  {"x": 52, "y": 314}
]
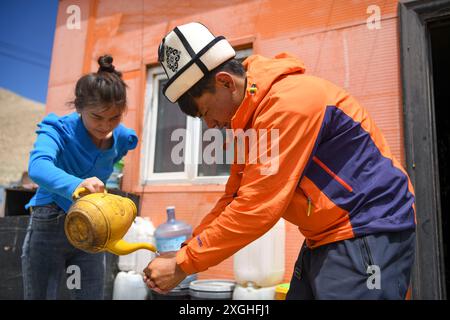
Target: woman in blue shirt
[{"x": 75, "y": 150}]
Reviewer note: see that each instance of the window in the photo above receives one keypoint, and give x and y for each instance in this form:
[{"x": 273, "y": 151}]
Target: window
[{"x": 175, "y": 146}]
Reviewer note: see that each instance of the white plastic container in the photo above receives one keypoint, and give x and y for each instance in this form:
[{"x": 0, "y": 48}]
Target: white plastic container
[
  {"x": 145, "y": 233},
  {"x": 128, "y": 262},
  {"x": 262, "y": 261},
  {"x": 252, "y": 293},
  {"x": 129, "y": 286},
  {"x": 211, "y": 289},
  {"x": 141, "y": 230}
]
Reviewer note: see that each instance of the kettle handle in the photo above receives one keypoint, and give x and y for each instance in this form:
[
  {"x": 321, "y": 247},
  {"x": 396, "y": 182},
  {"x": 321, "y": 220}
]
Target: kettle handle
[{"x": 82, "y": 191}]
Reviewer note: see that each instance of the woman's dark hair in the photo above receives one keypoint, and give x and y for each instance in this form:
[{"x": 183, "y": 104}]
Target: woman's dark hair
[
  {"x": 207, "y": 84},
  {"x": 104, "y": 88}
]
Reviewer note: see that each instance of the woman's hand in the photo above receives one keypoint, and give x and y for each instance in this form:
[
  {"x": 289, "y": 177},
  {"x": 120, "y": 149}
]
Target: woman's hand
[{"x": 93, "y": 184}]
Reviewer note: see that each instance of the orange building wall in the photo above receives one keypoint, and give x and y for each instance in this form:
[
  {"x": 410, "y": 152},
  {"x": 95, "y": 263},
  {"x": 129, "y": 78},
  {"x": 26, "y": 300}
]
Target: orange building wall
[{"x": 330, "y": 36}]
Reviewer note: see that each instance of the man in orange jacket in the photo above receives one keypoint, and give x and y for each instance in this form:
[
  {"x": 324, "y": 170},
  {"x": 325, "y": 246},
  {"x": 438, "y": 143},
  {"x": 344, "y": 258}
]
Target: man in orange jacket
[{"x": 331, "y": 173}]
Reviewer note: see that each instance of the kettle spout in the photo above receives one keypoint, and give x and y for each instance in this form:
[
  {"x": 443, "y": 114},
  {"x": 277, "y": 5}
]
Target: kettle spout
[{"x": 121, "y": 247}]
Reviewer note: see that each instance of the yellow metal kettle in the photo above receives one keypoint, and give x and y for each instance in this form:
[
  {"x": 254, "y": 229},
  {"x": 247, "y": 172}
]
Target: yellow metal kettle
[{"x": 98, "y": 221}]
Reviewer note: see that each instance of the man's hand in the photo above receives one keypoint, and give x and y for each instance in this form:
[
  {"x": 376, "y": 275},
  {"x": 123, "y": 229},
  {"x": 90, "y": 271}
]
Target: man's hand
[{"x": 163, "y": 274}]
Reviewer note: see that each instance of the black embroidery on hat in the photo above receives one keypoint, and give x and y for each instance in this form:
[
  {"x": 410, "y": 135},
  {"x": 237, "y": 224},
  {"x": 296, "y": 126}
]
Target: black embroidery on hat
[{"x": 172, "y": 58}]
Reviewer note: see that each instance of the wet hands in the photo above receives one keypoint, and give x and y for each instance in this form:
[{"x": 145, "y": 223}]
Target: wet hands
[{"x": 163, "y": 274}]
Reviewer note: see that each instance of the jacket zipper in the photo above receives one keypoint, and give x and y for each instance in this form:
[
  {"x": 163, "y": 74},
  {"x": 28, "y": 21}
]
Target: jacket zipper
[
  {"x": 309, "y": 209},
  {"x": 367, "y": 248},
  {"x": 332, "y": 174}
]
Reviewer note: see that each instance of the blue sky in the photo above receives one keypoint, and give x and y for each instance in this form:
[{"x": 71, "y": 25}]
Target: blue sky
[{"x": 27, "y": 28}]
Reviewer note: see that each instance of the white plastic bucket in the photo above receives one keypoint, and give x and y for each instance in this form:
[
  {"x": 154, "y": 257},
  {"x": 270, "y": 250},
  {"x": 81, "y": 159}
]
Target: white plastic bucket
[{"x": 211, "y": 289}]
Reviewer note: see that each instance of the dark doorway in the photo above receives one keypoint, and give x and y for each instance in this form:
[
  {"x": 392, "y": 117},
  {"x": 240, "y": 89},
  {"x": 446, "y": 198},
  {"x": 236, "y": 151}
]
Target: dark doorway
[
  {"x": 440, "y": 54},
  {"x": 424, "y": 28}
]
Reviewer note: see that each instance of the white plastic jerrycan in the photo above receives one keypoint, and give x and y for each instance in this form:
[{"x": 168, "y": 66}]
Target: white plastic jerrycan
[
  {"x": 252, "y": 293},
  {"x": 128, "y": 262},
  {"x": 129, "y": 286},
  {"x": 142, "y": 230},
  {"x": 262, "y": 261},
  {"x": 145, "y": 233}
]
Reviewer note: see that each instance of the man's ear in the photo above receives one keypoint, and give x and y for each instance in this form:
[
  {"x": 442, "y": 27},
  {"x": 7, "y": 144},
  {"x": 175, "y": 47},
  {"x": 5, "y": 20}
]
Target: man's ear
[{"x": 225, "y": 79}]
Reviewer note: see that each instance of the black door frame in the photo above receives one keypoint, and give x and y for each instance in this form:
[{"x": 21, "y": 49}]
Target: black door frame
[{"x": 428, "y": 279}]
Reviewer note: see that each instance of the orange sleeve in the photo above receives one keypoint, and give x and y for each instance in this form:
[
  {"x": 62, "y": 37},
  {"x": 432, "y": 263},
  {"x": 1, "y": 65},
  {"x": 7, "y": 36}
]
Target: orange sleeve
[{"x": 262, "y": 198}]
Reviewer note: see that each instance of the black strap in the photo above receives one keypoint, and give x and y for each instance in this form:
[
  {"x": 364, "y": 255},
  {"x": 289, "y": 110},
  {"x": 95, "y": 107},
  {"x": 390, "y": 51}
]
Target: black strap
[
  {"x": 189, "y": 49},
  {"x": 184, "y": 42}
]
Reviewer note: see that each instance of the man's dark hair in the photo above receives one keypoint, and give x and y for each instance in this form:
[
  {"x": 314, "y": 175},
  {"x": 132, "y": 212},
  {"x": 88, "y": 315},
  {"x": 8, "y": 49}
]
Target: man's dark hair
[{"x": 207, "y": 84}]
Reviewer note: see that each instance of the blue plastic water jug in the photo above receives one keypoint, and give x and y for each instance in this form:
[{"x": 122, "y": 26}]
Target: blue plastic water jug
[{"x": 170, "y": 235}]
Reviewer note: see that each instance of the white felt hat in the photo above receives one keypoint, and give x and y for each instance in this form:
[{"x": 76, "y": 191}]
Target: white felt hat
[{"x": 188, "y": 53}]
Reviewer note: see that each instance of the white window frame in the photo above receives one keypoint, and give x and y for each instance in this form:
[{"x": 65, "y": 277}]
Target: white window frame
[{"x": 192, "y": 146}]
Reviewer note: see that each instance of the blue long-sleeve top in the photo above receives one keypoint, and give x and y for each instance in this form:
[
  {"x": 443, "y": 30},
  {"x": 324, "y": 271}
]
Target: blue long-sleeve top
[{"x": 64, "y": 155}]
